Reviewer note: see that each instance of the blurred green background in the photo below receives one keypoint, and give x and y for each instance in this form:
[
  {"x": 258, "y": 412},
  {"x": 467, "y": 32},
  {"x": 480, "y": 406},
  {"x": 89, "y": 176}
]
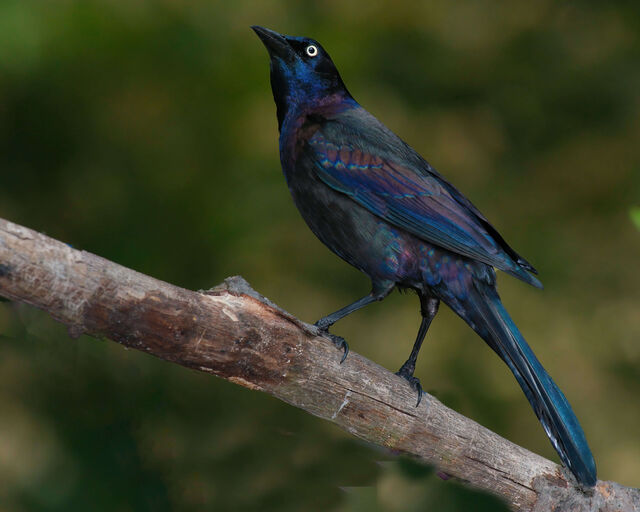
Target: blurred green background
[{"x": 145, "y": 132}]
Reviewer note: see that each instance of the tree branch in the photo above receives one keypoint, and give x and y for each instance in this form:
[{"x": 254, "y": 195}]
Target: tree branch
[{"x": 233, "y": 332}]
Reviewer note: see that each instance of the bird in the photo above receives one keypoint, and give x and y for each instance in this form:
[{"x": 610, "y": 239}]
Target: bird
[{"x": 381, "y": 207}]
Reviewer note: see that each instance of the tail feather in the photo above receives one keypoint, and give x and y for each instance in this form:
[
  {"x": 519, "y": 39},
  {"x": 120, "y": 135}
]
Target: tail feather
[
  {"x": 486, "y": 314},
  {"x": 523, "y": 271}
]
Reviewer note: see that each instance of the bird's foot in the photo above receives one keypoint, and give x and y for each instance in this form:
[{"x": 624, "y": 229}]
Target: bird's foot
[
  {"x": 338, "y": 341},
  {"x": 414, "y": 382},
  {"x": 341, "y": 343}
]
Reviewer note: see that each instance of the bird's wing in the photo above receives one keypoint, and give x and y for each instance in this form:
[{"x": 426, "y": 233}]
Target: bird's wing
[{"x": 417, "y": 200}]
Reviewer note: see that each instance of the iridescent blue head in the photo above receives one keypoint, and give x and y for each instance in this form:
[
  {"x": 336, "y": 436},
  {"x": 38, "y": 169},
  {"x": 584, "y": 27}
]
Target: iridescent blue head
[{"x": 302, "y": 73}]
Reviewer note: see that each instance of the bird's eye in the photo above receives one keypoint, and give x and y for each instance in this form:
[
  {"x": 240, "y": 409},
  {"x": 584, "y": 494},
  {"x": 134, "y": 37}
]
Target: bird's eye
[{"x": 312, "y": 50}]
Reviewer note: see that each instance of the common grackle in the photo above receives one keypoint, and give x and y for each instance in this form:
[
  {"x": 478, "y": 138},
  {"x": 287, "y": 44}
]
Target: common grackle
[{"x": 381, "y": 207}]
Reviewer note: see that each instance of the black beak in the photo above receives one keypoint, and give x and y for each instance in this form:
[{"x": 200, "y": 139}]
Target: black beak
[{"x": 276, "y": 44}]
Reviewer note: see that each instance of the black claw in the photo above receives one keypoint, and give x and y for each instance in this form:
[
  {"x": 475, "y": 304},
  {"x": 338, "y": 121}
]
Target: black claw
[
  {"x": 341, "y": 343},
  {"x": 419, "y": 390},
  {"x": 414, "y": 382},
  {"x": 338, "y": 341}
]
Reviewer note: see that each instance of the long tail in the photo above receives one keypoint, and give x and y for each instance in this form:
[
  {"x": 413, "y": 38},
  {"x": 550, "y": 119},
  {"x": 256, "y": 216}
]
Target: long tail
[{"x": 484, "y": 311}]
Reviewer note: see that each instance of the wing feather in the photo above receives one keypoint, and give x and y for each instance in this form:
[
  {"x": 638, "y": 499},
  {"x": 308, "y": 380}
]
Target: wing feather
[{"x": 416, "y": 200}]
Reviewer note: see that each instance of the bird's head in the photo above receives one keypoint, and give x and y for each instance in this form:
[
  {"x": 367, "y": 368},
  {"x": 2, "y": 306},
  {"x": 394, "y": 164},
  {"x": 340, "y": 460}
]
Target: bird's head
[{"x": 302, "y": 73}]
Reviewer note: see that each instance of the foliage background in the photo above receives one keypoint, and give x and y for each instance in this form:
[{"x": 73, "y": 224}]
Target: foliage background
[{"x": 145, "y": 132}]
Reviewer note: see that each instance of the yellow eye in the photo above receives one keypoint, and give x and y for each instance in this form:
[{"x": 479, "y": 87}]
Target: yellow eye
[{"x": 312, "y": 50}]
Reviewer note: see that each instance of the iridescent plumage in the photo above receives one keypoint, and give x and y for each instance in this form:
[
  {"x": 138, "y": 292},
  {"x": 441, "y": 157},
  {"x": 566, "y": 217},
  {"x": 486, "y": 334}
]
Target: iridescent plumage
[{"x": 381, "y": 207}]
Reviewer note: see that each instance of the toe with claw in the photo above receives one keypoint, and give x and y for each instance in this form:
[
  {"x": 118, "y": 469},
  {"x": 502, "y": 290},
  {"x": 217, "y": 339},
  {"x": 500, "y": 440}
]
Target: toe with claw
[
  {"x": 414, "y": 382},
  {"x": 338, "y": 341},
  {"x": 341, "y": 343}
]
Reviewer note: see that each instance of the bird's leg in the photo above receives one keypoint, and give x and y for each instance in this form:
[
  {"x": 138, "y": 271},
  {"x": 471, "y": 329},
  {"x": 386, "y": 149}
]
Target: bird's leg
[
  {"x": 378, "y": 293},
  {"x": 428, "y": 309},
  {"x": 325, "y": 322}
]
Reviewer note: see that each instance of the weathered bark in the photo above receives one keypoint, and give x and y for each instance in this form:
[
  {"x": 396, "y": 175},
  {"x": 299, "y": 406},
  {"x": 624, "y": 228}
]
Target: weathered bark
[{"x": 233, "y": 332}]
